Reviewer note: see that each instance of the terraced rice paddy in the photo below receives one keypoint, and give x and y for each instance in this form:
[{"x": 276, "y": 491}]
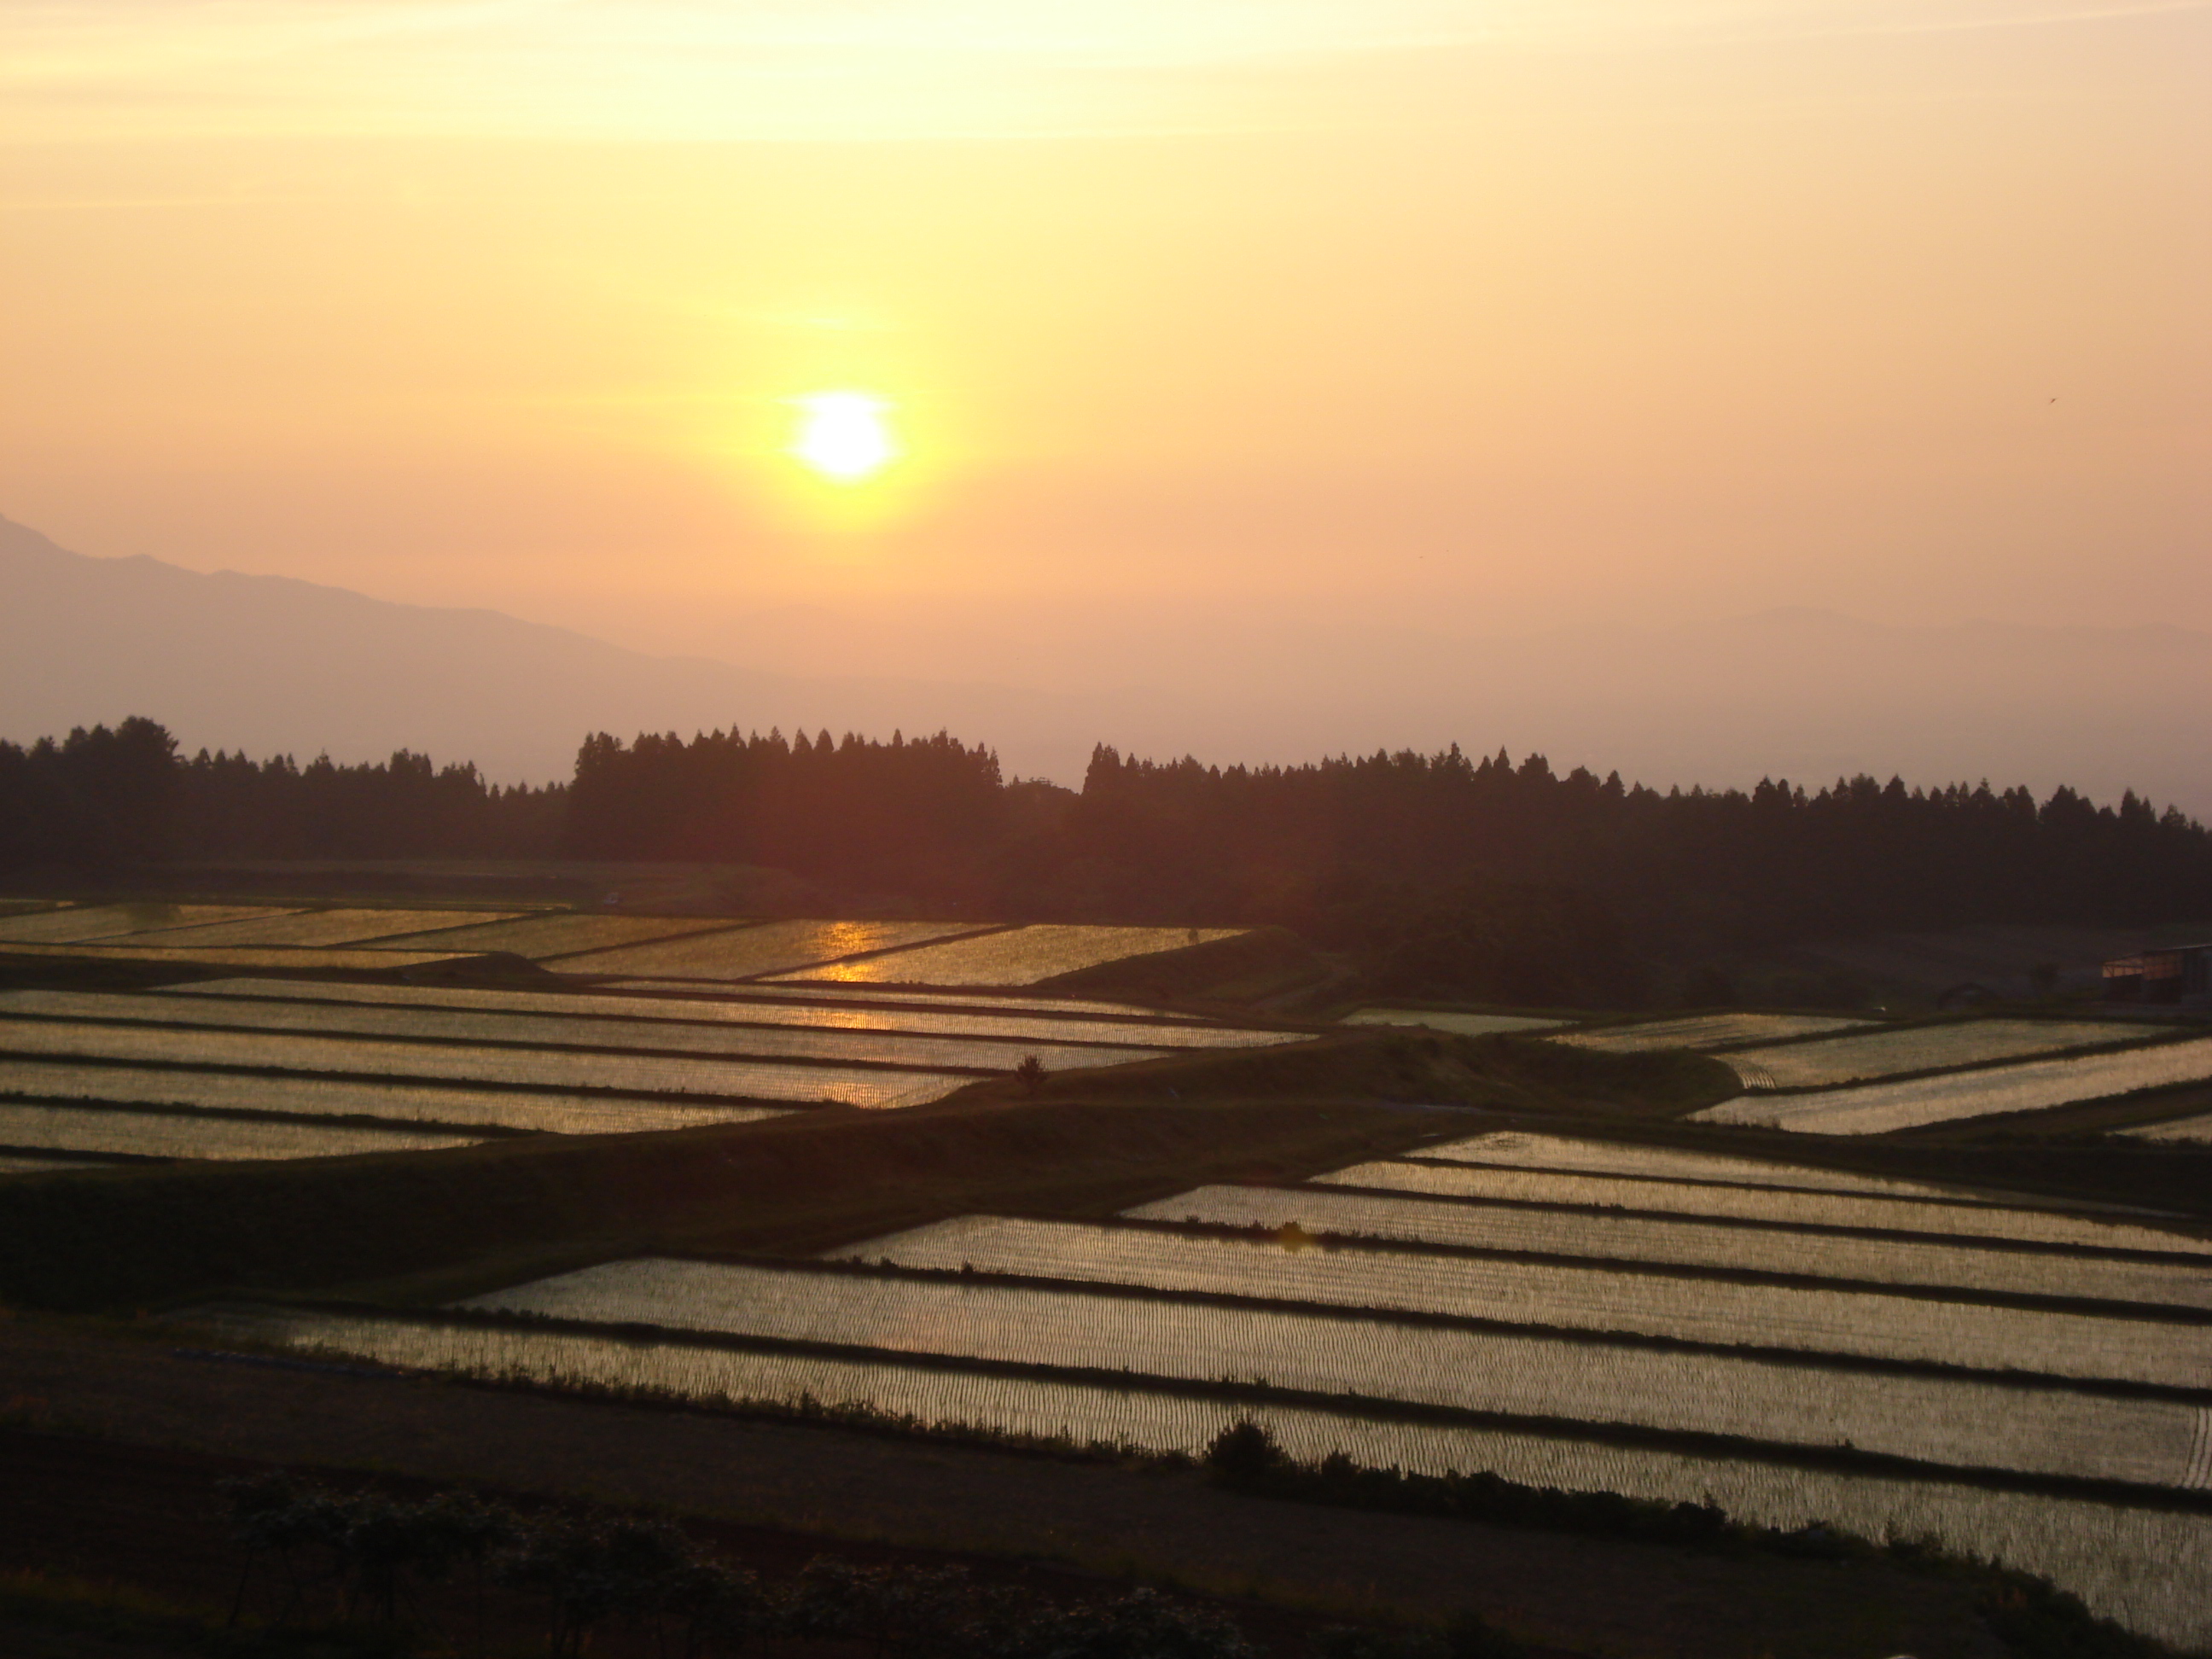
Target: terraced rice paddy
[
  {"x": 464, "y": 1026},
  {"x": 561, "y": 933},
  {"x": 771, "y": 947},
  {"x": 1021, "y": 955},
  {"x": 108, "y": 922},
  {"x": 920, "y": 997},
  {"x": 1444, "y": 1020},
  {"x": 2146, "y": 1567},
  {"x": 185, "y": 1134},
  {"x": 497, "y": 1108},
  {"x": 1522, "y": 1150},
  {"x": 1690, "y": 1242},
  {"x": 1585, "y": 1299},
  {"x": 1825, "y": 1063},
  {"x": 555, "y": 1068},
  {"x": 367, "y": 959},
  {"x": 2028, "y": 1087},
  {"x": 2181, "y": 1128},
  {"x": 1750, "y": 1204},
  {"x": 1706, "y": 1031},
  {"x": 585, "y": 1005},
  {"x": 1940, "y": 1419},
  {"x": 326, "y": 927}
]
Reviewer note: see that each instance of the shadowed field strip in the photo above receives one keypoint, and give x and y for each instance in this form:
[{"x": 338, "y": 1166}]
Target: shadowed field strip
[
  {"x": 1706, "y": 1031},
  {"x": 2030, "y": 1085},
  {"x": 1023, "y": 955},
  {"x": 1957, "y": 1422},
  {"x": 48, "y": 1165},
  {"x": 765, "y": 948},
  {"x": 2146, "y": 1567},
  {"x": 584, "y": 1004},
  {"x": 1444, "y": 1020},
  {"x": 183, "y": 1134},
  {"x": 109, "y": 921},
  {"x": 504, "y": 1109},
  {"x": 1590, "y": 1299},
  {"x": 465, "y": 1026},
  {"x": 900, "y": 996},
  {"x": 1690, "y": 1243},
  {"x": 1746, "y": 1204},
  {"x": 1518, "y": 1148},
  {"x": 327, "y": 928},
  {"x": 2199, "y": 1127},
  {"x": 552, "y": 1068},
  {"x": 1851, "y": 1058},
  {"x": 561, "y": 934}
]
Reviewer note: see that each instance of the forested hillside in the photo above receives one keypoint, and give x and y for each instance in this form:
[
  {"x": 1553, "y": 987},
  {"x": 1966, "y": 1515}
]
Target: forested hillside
[{"x": 1437, "y": 870}]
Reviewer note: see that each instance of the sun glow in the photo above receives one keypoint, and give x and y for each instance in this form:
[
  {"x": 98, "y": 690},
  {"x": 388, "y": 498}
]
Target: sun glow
[{"x": 844, "y": 435}]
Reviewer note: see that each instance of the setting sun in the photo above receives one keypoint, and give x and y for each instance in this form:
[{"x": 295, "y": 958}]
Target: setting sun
[{"x": 844, "y": 435}]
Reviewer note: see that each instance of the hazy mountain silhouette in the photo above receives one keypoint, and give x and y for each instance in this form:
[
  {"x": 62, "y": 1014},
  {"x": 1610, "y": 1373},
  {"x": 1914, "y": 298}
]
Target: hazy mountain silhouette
[{"x": 270, "y": 665}]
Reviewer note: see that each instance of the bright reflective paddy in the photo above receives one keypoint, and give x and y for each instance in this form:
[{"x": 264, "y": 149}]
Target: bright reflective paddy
[
  {"x": 249, "y": 1091},
  {"x": 558, "y": 1068},
  {"x": 1588, "y": 1297},
  {"x": 767, "y": 947},
  {"x": 1020, "y": 955},
  {"x": 1690, "y": 1241},
  {"x": 1850, "y": 1059},
  {"x": 1456, "y": 1179},
  {"x": 1523, "y": 1149},
  {"x": 2029, "y": 1086},
  {"x": 579, "y": 1004},
  {"x": 186, "y": 1134},
  {"x": 1953, "y": 1421},
  {"x": 2147, "y": 1567}
]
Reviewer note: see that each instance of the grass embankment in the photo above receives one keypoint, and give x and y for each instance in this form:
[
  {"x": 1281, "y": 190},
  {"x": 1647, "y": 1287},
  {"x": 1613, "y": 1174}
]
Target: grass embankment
[
  {"x": 1410, "y": 1064},
  {"x": 1225, "y": 972},
  {"x": 439, "y": 1224}
]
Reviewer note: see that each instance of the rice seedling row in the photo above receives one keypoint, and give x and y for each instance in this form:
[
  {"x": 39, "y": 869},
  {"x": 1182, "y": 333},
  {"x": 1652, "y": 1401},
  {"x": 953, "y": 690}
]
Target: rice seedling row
[
  {"x": 700, "y": 1010},
  {"x": 770, "y": 947},
  {"x": 910, "y": 1053},
  {"x": 557, "y": 1068},
  {"x": 1960, "y": 1423},
  {"x": 1689, "y": 1242},
  {"x": 74, "y": 925},
  {"x": 1767, "y": 1206},
  {"x": 560, "y": 934},
  {"x": 1832, "y": 1060},
  {"x": 1460, "y": 1025},
  {"x": 184, "y": 1134},
  {"x": 1706, "y": 1031},
  {"x": 2024, "y": 1086},
  {"x": 499, "y": 1108},
  {"x": 1589, "y": 1298},
  {"x": 1021, "y": 955},
  {"x": 2147, "y": 1567},
  {"x": 2199, "y": 1127},
  {"x": 327, "y": 927},
  {"x": 1520, "y": 1149}
]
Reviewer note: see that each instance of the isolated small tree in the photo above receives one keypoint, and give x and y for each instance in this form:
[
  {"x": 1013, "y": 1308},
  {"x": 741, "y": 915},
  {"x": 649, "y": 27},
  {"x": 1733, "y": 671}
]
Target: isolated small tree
[{"x": 1032, "y": 1075}]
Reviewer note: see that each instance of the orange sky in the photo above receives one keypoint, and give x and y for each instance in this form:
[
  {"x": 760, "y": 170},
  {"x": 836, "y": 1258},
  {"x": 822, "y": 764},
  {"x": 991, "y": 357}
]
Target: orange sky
[{"x": 1495, "y": 314}]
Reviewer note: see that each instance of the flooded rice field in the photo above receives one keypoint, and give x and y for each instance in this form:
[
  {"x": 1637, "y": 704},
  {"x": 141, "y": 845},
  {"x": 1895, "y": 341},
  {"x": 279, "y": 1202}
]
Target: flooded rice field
[
  {"x": 1020, "y": 955},
  {"x": 25, "y": 1124},
  {"x": 1825, "y": 1063},
  {"x": 1707, "y": 1031}
]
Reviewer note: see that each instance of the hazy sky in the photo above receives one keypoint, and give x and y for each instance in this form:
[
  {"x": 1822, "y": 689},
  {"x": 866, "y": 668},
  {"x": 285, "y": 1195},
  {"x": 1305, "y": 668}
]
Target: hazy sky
[{"x": 1487, "y": 314}]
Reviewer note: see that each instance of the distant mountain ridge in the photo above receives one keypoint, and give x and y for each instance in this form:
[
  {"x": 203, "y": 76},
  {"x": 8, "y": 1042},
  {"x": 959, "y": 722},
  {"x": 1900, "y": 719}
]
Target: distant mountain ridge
[{"x": 272, "y": 665}]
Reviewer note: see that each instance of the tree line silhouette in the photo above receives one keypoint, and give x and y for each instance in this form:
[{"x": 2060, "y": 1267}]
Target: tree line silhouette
[{"x": 1437, "y": 870}]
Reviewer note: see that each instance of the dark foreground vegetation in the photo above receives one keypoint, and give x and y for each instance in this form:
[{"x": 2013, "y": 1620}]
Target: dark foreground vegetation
[
  {"x": 2030, "y": 1616},
  {"x": 1436, "y": 873}
]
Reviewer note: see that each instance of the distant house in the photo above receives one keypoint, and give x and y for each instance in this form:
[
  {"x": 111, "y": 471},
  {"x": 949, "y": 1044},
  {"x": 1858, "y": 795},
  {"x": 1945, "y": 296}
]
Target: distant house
[{"x": 2181, "y": 973}]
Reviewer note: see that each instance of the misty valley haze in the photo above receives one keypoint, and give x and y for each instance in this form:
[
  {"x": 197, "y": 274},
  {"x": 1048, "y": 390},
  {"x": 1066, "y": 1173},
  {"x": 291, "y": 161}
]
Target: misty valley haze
[{"x": 270, "y": 665}]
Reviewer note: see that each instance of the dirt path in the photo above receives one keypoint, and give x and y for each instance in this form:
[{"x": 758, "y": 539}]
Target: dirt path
[{"x": 1586, "y": 1596}]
